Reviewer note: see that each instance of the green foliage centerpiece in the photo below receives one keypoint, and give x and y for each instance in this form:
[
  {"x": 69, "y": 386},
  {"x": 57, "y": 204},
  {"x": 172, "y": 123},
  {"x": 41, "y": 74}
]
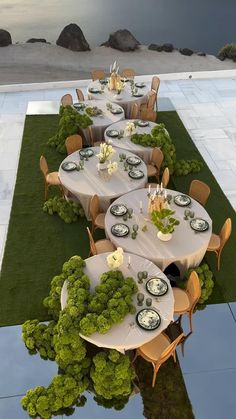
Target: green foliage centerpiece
[
  {"x": 71, "y": 122},
  {"x": 165, "y": 223},
  {"x": 82, "y": 366}
]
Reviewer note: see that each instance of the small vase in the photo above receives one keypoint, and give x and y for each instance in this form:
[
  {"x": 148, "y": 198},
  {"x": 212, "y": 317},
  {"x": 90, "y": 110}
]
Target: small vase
[
  {"x": 102, "y": 166},
  {"x": 164, "y": 237}
]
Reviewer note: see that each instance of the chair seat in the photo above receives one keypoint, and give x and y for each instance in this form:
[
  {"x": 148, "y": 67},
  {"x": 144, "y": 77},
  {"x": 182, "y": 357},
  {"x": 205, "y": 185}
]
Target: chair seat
[
  {"x": 181, "y": 300},
  {"x": 151, "y": 170},
  {"x": 155, "y": 347},
  {"x": 214, "y": 242},
  {"x": 104, "y": 245},
  {"x": 52, "y": 178},
  {"x": 100, "y": 220}
]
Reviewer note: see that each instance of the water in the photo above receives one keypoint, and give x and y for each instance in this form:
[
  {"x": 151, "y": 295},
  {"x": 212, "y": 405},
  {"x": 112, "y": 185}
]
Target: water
[{"x": 202, "y": 25}]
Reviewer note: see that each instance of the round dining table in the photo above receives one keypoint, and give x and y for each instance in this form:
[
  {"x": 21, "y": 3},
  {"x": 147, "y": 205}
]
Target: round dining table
[
  {"x": 128, "y": 335},
  {"x": 101, "y": 122},
  {"x": 125, "y": 142},
  {"x": 124, "y": 99},
  {"x": 185, "y": 249},
  {"x": 90, "y": 181}
]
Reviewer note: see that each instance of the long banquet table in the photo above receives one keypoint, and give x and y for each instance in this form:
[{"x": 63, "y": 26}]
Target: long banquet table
[
  {"x": 124, "y": 99},
  {"x": 127, "y": 335},
  {"x": 143, "y": 152},
  {"x": 186, "y": 248},
  {"x": 89, "y": 181}
]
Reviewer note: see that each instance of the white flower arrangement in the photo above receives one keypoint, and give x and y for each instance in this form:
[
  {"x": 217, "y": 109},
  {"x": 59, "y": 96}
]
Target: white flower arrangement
[
  {"x": 106, "y": 151},
  {"x": 112, "y": 167},
  {"x": 130, "y": 129},
  {"x": 115, "y": 259}
]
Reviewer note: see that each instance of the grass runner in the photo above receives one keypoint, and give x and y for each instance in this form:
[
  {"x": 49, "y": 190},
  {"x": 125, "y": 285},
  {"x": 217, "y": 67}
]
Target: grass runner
[{"x": 38, "y": 244}]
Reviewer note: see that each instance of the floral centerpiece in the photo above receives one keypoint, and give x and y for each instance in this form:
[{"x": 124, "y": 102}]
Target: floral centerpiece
[
  {"x": 115, "y": 259},
  {"x": 130, "y": 129},
  {"x": 112, "y": 167},
  {"x": 165, "y": 223},
  {"x": 105, "y": 153}
]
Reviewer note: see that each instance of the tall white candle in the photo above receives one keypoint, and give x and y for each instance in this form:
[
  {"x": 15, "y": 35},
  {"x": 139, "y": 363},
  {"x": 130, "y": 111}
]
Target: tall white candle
[
  {"x": 161, "y": 186},
  {"x": 141, "y": 205},
  {"x": 165, "y": 194},
  {"x": 129, "y": 260},
  {"x": 149, "y": 189},
  {"x": 157, "y": 190}
]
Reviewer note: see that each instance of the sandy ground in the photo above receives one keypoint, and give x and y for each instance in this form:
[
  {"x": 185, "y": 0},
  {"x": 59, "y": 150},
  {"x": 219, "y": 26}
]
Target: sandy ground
[{"x": 28, "y": 63}]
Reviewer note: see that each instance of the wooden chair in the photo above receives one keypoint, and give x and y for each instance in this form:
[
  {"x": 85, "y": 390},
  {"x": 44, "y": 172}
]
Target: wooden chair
[
  {"x": 100, "y": 246},
  {"x": 97, "y": 75},
  {"x": 66, "y": 100},
  {"x": 174, "y": 330},
  {"x": 154, "y": 167},
  {"x": 93, "y": 142},
  {"x": 50, "y": 178},
  {"x": 200, "y": 191},
  {"x": 150, "y": 103},
  {"x": 80, "y": 95},
  {"x": 155, "y": 84},
  {"x": 73, "y": 143},
  {"x": 157, "y": 351},
  {"x": 165, "y": 177},
  {"x": 186, "y": 300},
  {"x": 129, "y": 73},
  {"x": 148, "y": 115},
  {"x": 97, "y": 216},
  {"x": 217, "y": 242},
  {"x": 134, "y": 111}
]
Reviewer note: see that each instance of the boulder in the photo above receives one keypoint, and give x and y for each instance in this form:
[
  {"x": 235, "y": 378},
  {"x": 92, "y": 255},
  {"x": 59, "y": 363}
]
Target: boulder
[
  {"x": 201, "y": 54},
  {"x": 73, "y": 38},
  {"x": 167, "y": 47},
  {"x": 186, "y": 51},
  {"x": 123, "y": 40},
  {"x": 5, "y": 38},
  {"x": 155, "y": 47},
  {"x": 33, "y": 40}
]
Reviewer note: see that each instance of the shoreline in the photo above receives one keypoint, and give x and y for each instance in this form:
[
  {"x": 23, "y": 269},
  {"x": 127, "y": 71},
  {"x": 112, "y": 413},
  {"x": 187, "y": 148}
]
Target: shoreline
[{"x": 40, "y": 62}]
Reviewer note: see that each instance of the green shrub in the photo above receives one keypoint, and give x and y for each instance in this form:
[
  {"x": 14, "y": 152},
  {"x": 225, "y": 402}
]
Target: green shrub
[
  {"x": 70, "y": 123},
  {"x": 184, "y": 167},
  {"x": 228, "y": 51},
  {"x": 68, "y": 211},
  {"x": 207, "y": 284},
  {"x": 38, "y": 337}
]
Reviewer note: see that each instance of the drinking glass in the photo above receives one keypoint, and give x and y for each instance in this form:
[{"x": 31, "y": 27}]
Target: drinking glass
[
  {"x": 133, "y": 235},
  {"x": 126, "y": 166},
  {"x": 121, "y": 156},
  {"x": 135, "y": 228},
  {"x": 140, "y": 277},
  {"x": 130, "y": 212},
  {"x": 169, "y": 198},
  {"x": 81, "y": 163},
  {"x": 191, "y": 214},
  {"x": 81, "y": 157},
  {"x": 140, "y": 298},
  {"x": 145, "y": 274},
  {"x": 125, "y": 217},
  {"x": 148, "y": 302},
  {"x": 121, "y": 133},
  {"x": 186, "y": 213}
]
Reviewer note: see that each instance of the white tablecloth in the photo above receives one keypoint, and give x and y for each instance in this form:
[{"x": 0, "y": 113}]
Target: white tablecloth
[
  {"x": 125, "y": 99},
  {"x": 127, "y": 335},
  {"x": 143, "y": 152},
  {"x": 186, "y": 248},
  {"x": 89, "y": 181},
  {"x": 100, "y": 123}
]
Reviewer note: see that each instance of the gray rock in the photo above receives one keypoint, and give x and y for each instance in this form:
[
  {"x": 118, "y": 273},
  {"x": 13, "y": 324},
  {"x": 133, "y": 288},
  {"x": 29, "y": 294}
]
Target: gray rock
[
  {"x": 167, "y": 47},
  {"x": 123, "y": 40},
  {"x": 5, "y": 38},
  {"x": 155, "y": 47},
  {"x": 186, "y": 51},
  {"x": 33, "y": 40},
  {"x": 201, "y": 54},
  {"x": 73, "y": 38}
]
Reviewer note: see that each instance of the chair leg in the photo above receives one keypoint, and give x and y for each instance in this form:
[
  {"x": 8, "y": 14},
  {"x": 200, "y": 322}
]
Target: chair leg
[
  {"x": 191, "y": 320},
  {"x": 174, "y": 356},
  {"x": 155, "y": 375},
  {"x": 218, "y": 254},
  {"x": 135, "y": 356},
  {"x": 45, "y": 191}
]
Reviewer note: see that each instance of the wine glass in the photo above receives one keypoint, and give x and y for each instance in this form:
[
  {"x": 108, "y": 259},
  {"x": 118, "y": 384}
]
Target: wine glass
[
  {"x": 121, "y": 157},
  {"x": 126, "y": 166},
  {"x": 191, "y": 214},
  {"x": 148, "y": 302},
  {"x": 135, "y": 228},
  {"x": 145, "y": 274},
  {"x": 140, "y": 298},
  {"x": 186, "y": 213},
  {"x": 81, "y": 163},
  {"x": 130, "y": 212},
  {"x": 140, "y": 277}
]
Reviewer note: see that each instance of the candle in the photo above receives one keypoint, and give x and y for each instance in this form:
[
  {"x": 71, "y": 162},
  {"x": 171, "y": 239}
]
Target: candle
[
  {"x": 129, "y": 260},
  {"x": 110, "y": 68},
  {"x": 161, "y": 186},
  {"x": 165, "y": 194},
  {"x": 140, "y": 206},
  {"x": 157, "y": 190},
  {"x": 149, "y": 189}
]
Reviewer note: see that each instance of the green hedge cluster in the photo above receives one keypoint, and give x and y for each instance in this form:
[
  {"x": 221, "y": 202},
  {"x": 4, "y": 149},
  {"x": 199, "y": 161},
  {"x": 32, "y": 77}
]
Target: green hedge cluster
[
  {"x": 184, "y": 167},
  {"x": 68, "y": 211},
  {"x": 160, "y": 137},
  {"x": 107, "y": 373},
  {"x": 207, "y": 284},
  {"x": 70, "y": 123},
  {"x": 228, "y": 51}
]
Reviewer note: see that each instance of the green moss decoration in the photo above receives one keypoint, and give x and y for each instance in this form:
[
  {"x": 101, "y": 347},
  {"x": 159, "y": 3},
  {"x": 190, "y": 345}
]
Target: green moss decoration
[
  {"x": 207, "y": 284},
  {"x": 68, "y": 211},
  {"x": 70, "y": 123}
]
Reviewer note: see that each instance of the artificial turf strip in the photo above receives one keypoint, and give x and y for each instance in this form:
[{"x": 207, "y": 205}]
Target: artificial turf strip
[
  {"x": 218, "y": 207},
  {"x": 38, "y": 244}
]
